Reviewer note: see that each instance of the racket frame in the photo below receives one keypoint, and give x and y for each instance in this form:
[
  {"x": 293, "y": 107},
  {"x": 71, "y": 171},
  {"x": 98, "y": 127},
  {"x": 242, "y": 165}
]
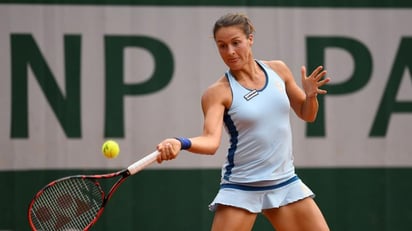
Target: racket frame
[{"x": 125, "y": 173}]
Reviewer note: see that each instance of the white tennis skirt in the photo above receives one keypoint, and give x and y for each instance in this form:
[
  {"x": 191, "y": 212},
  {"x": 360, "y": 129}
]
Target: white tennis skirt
[{"x": 255, "y": 199}]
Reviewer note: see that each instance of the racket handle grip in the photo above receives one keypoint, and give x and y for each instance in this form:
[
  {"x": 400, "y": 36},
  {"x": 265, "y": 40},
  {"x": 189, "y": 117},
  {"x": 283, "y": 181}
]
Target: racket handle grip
[{"x": 142, "y": 163}]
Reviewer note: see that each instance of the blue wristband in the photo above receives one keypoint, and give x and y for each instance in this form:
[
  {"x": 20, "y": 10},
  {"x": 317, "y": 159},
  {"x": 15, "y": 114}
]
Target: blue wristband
[{"x": 184, "y": 142}]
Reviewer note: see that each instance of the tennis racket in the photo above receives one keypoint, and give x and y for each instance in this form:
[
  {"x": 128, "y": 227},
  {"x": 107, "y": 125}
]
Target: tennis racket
[{"x": 77, "y": 202}]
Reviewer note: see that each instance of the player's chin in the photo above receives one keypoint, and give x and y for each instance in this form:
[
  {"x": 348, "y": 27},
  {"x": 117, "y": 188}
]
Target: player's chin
[{"x": 234, "y": 66}]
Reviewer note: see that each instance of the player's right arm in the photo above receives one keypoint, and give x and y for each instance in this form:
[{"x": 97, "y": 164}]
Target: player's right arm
[{"x": 214, "y": 101}]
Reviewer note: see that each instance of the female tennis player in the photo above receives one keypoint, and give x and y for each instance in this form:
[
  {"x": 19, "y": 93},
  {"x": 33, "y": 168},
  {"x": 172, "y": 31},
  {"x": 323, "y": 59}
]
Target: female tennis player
[{"x": 253, "y": 101}]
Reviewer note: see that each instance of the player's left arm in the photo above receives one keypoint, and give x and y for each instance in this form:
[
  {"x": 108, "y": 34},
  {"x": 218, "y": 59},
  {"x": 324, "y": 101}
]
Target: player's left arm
[{"x": 303, "y": 100}]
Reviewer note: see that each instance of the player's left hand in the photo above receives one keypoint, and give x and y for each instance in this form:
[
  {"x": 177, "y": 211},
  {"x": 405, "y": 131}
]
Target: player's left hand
[{"x": 315, "y": 80}]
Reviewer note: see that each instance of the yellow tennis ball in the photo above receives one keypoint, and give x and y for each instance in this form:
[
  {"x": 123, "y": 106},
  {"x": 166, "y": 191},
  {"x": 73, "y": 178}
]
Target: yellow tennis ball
[{"x": 110, "y": 149}]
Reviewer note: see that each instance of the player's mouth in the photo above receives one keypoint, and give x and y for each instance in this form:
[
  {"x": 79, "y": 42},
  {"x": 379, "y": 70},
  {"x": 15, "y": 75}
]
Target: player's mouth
[{"x": 232, "y": 60}]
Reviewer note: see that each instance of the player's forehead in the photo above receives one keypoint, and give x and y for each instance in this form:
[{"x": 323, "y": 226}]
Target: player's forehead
[{"x": 229, "y": 33}]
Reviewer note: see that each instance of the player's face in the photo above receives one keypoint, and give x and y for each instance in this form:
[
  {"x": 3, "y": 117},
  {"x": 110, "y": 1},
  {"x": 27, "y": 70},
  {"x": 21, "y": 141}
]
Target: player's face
[{"x": 234, "y": 46}]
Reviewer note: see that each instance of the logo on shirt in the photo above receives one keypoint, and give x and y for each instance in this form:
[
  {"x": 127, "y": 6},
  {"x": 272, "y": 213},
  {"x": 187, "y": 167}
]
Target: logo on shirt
[{"x": 251, "y": 94}]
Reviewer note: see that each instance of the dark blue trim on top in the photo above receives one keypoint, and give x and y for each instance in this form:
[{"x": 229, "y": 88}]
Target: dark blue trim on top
[
  {"x": 259, "y": 188},
  {"x": 260, "y": 64},
  {"x": 262, "y": 67},
  {"x": 228, "y": 80},
  {"x": 233, "y": 144}
]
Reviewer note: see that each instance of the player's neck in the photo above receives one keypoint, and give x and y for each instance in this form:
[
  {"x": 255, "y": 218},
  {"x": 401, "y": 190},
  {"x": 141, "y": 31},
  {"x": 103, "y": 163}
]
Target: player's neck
[{"x": 251, "y": 76}]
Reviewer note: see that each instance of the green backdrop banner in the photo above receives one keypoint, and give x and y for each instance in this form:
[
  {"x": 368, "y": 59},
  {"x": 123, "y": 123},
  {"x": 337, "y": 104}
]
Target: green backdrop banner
[{"x": 351, "y": 199}]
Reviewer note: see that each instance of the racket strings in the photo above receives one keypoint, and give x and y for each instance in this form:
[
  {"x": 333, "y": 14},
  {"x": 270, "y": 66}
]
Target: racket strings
[{"x": 70, "y": 204}]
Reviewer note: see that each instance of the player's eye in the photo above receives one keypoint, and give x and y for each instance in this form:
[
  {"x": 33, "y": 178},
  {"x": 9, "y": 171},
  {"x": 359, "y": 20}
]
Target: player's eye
[{"x": 222, "y": 46}]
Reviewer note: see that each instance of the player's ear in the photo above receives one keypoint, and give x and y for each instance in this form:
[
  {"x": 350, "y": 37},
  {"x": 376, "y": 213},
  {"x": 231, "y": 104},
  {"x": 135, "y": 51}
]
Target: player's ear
[{"x": 251, "y": 38}]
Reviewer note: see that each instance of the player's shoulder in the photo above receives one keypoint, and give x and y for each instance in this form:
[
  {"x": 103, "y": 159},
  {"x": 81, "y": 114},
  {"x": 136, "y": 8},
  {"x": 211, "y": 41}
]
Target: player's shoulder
[
  {"x": 219, "y": 91},
  {"x": 275, "y": 64},
  {"x": 219, "y": 85},
  {"x": 280, "y": 68}
]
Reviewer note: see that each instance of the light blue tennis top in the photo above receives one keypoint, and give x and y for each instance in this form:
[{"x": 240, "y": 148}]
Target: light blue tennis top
[{"x": 258, "y": 124}]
